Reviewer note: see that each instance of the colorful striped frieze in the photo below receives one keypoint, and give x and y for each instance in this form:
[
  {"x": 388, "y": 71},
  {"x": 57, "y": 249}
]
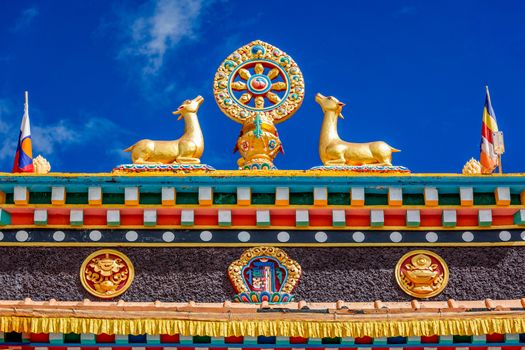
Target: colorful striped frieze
[{"x": 72, "y": 341}]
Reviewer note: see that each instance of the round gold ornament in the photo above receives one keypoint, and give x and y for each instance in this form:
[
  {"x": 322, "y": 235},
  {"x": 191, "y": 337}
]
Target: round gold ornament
[
  {"x": 259, "y": 79},
  {"x": 422, "y": 274},
  {"x": 106, "y": 273},
  {"x": 258, "y": 85}
]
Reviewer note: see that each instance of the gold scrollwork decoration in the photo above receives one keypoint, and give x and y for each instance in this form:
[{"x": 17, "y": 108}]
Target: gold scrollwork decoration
[
  {"x": 106, "y": 273},
  {"x": 293, "y": 268},
  {"x": 259, "y": 79},
  {"x": 422, "y": 274}
]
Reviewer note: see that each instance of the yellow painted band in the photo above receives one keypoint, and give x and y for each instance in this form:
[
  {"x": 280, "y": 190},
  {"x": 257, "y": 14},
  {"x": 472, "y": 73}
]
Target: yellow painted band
[
  {"x": 345, "y": 327},
  {"x": 260, "y": 173}
]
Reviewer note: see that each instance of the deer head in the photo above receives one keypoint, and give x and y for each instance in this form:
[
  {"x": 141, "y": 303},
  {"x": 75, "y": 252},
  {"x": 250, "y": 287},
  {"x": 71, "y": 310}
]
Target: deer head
[
  {"x": 189, "y": 106},
  {"x": 330, "y": 103}
]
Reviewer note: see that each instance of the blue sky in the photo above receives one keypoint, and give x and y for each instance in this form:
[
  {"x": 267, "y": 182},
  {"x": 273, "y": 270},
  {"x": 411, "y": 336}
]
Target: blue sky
[{"x": 102, "y": 75}]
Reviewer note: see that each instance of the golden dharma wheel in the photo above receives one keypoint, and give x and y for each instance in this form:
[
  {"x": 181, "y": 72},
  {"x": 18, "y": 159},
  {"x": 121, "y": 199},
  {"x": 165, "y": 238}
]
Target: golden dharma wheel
[
  {"x": 259, "y": 79},
  {"x": 422, "y": 274}
]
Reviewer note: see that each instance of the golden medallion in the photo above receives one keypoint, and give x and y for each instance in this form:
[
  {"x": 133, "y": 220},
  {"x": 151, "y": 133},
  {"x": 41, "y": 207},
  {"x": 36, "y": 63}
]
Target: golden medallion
[
  {"x": 422, "y": 274},
  {"x": 259, "y": 79},
  {"x": 106, "y": 273}
]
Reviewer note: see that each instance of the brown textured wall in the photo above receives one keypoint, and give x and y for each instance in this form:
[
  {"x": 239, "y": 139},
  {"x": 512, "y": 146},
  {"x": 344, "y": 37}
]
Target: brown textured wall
[{"x": 199, "y": 274}]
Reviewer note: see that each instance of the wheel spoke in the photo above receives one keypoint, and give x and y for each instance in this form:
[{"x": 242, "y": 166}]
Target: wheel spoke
[
  {"x": 245, "y": 98},
  {"x": 259, "y": 102},
  {"x": 279, "y": 86},
  {"x": 273, "y": 97},
  {"x": 273, "y": 73},
  {"x": 238, "y": 86},
  {"x": 244, "y": 73},
  {"x": 259, "y": 69}
]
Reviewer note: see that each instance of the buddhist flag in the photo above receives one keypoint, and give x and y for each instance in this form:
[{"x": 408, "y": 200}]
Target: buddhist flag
[
  {"x": 488, "y": 158},
  {"x": 24, "y": 150}
]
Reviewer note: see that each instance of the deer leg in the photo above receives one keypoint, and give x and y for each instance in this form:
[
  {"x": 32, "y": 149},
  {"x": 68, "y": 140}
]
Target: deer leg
[
  {"x": 142, "y": 161},
  {"x": 188, "y": 160},
  {"x": 339, "y": 160},
  {"x": 335, "y": 162},
  {"x": 385, "y": 161}
]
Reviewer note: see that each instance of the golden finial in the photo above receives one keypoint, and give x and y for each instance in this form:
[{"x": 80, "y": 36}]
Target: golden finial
[
  {"x": 41, "y": 165},
  {"x": 472, "y": 167}
]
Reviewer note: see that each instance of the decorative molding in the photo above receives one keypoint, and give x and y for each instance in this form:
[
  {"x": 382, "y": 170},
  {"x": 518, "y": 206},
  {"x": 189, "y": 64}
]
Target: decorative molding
[
  {"x": 20, "y": 195},
  {"x": 282, "y": 196},
  {"x": 168, "y": 196},
  {"x": 395, "y": 196},
  {"x": 244, "y": 196},
  {"x": 357, "y": 196},
  {"x": 95, "y": 195},
  {"x": 502, "y": 195},
  {"x": 431, "y": 197},
  {"x": 320, "y": 196},
  {"x": 466, "y": 195},
  {"x": 302, "y": 218},
  {"x": 131, "y": 196},
  {"x": 58, "y": 195},
  {"x": 205, "y": 195},
  {"x": 243, "y": 237}
]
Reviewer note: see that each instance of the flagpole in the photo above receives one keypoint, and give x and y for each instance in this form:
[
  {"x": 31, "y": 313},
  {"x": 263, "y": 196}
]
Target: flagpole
[{"x": 26, "y": 104}]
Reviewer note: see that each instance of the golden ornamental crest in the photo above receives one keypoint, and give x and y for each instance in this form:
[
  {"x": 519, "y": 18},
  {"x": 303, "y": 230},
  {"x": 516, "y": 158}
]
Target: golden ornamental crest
[
  {"x": 422, "y": 274},
  {"x": 106, "y": 273},
  {"x": 264, "y": 274},
  {"x": 258, "y": 86}
]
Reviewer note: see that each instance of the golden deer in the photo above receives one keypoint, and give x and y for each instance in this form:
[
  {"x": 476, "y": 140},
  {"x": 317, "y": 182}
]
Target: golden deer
[
  {"x": 334, "y": 151},
  {"x": 187, "y": 149}
]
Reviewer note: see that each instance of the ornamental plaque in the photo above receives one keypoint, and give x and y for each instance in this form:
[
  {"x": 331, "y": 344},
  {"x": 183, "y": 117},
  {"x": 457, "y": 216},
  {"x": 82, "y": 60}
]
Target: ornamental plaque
[
  {"x": 106, "y": 273},
  {"x": 422, "y": 274},
  {"x": 264, "y": 274}
]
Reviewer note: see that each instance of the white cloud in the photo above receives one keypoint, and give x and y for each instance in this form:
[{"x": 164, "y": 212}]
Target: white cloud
[
  {"x": 50, "y": 138},
  {"x": 5, "y": 110},
  {"x": 25, "y": 19},
  {"x": 47, "y": 138},
  {"x": 7, "y": 144},
  {"x": 161, "y": 25}
]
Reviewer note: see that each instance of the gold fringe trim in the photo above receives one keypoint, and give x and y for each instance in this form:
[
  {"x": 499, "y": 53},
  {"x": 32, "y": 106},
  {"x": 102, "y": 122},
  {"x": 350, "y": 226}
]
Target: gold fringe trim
[{"x": 307, "y": 329}]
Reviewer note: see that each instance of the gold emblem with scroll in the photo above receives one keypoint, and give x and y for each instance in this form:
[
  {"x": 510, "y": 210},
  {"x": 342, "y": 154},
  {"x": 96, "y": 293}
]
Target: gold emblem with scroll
[
  {"x": 107, "y": 273},
  {"x": 422, "y": 274}
]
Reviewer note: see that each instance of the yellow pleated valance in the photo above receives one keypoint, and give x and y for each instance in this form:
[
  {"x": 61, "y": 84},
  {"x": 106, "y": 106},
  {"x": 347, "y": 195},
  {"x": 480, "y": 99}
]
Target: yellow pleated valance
[{"x": 506, "y": 324}]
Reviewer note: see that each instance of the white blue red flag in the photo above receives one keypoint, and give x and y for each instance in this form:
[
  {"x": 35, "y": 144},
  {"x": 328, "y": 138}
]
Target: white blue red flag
[{"x": 24, "y": 149}]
